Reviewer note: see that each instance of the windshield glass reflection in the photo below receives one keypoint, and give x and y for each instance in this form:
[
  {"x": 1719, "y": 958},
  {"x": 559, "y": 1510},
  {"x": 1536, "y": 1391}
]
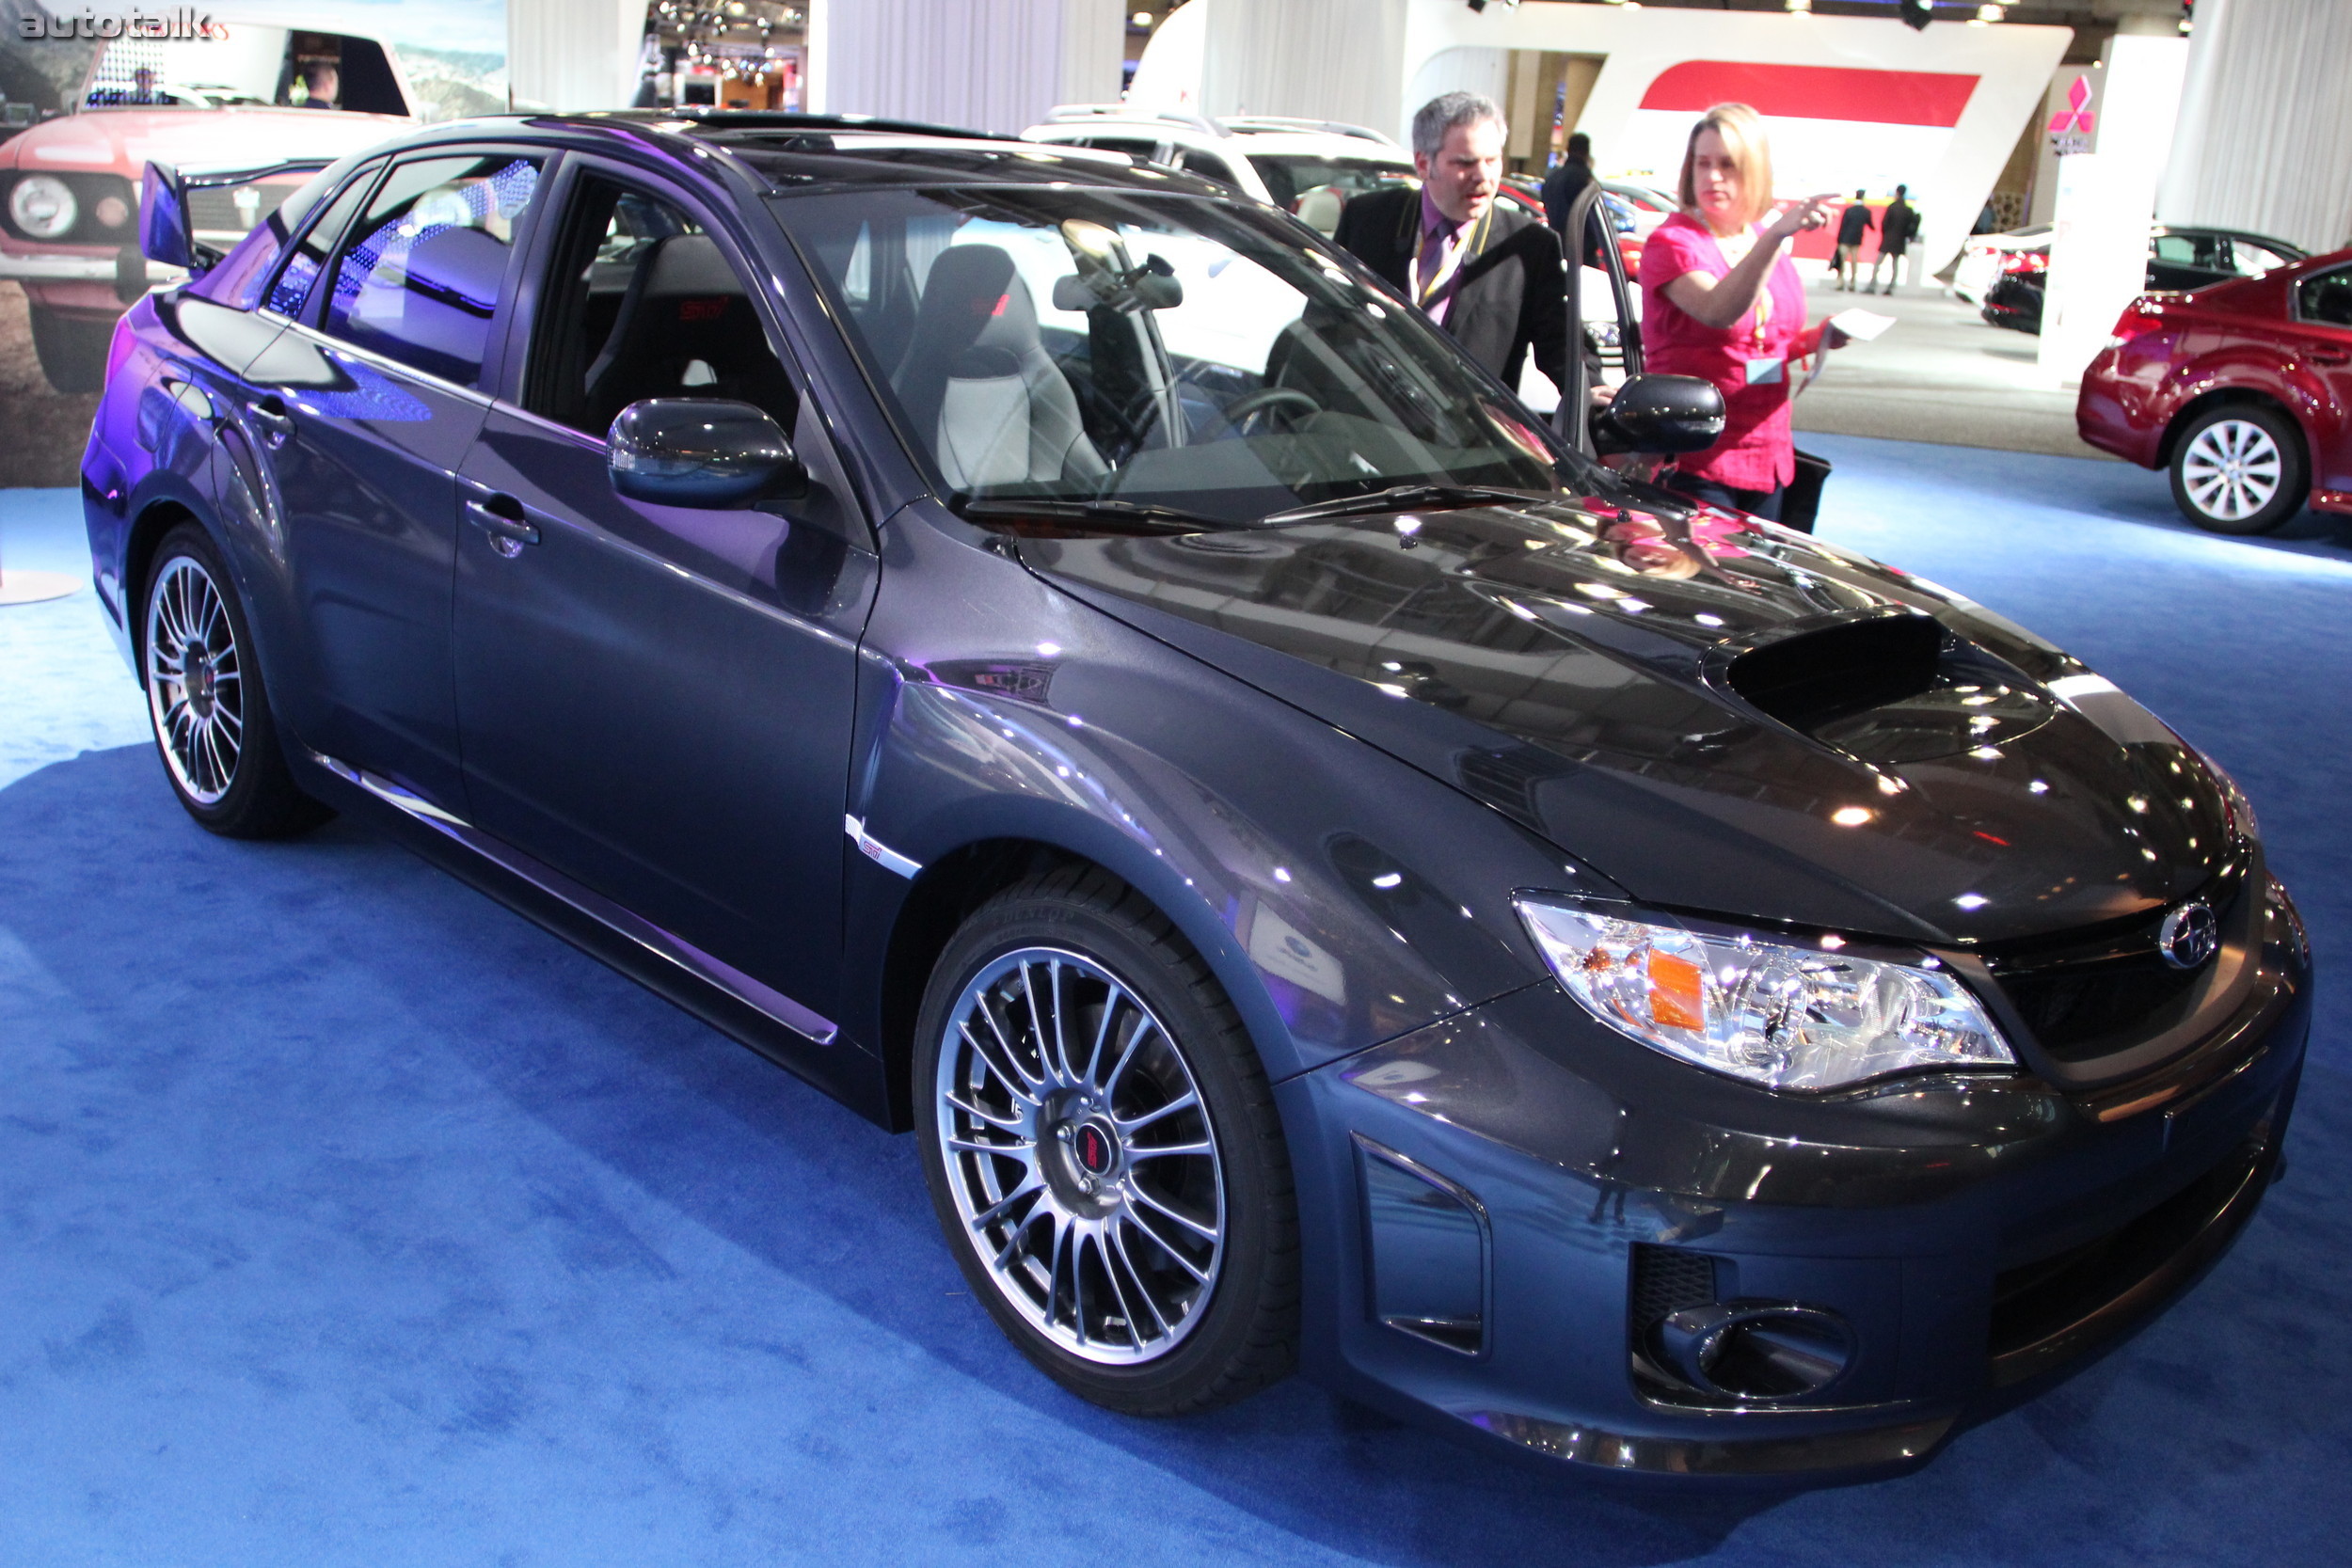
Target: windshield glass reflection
[{"x": 1092, "y": 345}]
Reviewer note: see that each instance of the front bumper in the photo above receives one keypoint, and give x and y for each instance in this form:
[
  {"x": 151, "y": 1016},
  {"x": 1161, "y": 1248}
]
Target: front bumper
[{"x": 1501, "y": 1194}]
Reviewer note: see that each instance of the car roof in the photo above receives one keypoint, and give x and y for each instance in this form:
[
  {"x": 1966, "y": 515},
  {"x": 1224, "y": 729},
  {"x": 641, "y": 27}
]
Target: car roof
[
  {"x": 785, "y": 153},
  {"x": 1240, "y": 136},
  {"x": 2283, "y": 247}
]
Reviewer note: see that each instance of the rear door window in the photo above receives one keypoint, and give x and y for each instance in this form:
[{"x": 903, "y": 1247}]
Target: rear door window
[
  {"x": 2327, "y": 298},
  {"x": 290, "y": 290},
  {"x": 1134, "y": 147},
  {"x": 427, "y": 270},
  {"x": 1208, "y": 165}
]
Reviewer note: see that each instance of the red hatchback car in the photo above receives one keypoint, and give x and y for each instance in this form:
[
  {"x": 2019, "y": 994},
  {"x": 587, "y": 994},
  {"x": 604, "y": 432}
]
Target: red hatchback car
[{"x": 2242, "y": 391}]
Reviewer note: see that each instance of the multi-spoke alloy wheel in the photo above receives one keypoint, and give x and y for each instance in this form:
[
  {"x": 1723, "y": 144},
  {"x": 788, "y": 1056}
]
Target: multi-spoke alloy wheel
[
  {"x": 1081, "y": 1156},
  {"x": 2232, "y": 469},
  {"x": 2238, "y": 470},
  {"x": 1102, "y": 1148},
  {"x": 205, "y": 699},
  {"x": 195, "y": 681}
]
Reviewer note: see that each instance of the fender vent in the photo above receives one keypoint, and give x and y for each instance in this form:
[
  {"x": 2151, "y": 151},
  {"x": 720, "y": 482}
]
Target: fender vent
[{"x": 1817, "y": 678}]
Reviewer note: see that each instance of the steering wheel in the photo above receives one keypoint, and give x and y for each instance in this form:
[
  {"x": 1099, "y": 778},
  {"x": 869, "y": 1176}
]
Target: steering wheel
[{"x": 1266, "y": 400}]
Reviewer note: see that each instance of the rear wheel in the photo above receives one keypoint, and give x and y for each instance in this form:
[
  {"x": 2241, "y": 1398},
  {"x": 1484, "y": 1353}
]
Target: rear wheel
[
  {"x": 72, "y": 349},
  {"x": 2239, "y": 469},
  {"x": 1103, "y": 1149},
  {"x": 205, "y": 702}
]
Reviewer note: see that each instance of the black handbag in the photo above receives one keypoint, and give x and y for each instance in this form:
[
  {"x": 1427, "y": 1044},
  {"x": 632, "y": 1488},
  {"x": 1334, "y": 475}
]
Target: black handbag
[{"x": 1801, "y": 499}]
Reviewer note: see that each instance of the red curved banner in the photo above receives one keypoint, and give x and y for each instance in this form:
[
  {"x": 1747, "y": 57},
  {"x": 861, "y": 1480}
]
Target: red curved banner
[{"x": 1815, "y": 91}]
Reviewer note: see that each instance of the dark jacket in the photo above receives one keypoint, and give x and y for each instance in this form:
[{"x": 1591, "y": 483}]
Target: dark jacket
[
  {"x": 1561, "y": 186},
  {"x": 1510, "y": 295},
  {"x": 1855, "y": 223},
  {"x": 1896, "y": 228}
]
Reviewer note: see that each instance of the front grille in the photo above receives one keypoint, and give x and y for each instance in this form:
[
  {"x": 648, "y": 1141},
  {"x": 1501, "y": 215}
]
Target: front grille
[
  {"x": 2089, "y": 997},
  {"x": 214, "y": 209}
]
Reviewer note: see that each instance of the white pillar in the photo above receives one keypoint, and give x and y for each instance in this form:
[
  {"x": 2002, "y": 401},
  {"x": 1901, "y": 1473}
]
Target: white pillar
[
  {"x": 990, "y": 65},
  {"x": 1322, "y": 59},
  {"x": 574, "y": 55},
  {"x": 2099, "y": 252},
  {"x": 2265, "y": 141}
]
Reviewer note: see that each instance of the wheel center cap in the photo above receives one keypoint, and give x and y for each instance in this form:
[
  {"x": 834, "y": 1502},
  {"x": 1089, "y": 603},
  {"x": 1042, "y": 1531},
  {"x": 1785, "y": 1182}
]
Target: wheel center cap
[
  {"x": 199, "y": 682},
  {"x": 1093, "y": 1148}
]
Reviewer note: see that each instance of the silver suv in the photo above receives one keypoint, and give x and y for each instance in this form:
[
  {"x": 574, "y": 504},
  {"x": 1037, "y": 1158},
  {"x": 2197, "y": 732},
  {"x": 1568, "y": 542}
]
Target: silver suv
[{"x": 1307, "y": 167}]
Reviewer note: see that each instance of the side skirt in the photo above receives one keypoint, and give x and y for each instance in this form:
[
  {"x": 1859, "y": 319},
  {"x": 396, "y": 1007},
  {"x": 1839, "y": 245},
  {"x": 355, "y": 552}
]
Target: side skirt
[{"x": 795, "y": 1038}]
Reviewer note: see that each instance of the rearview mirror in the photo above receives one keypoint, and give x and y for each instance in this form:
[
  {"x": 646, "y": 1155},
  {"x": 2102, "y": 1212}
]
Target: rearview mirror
[
  {"x": 709, "y": 453},
  {"x": 1659, "y": 414}
]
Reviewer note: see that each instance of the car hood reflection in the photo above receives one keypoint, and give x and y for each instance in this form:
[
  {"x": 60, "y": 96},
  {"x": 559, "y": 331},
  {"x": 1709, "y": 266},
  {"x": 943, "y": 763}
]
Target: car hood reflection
[{"x": 1708, "y": 712}]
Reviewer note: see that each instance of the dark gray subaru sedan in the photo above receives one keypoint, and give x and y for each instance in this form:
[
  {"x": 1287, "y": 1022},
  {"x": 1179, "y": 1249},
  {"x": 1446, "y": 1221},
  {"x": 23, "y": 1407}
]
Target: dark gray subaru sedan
[{"x": 1333, "y": 876}]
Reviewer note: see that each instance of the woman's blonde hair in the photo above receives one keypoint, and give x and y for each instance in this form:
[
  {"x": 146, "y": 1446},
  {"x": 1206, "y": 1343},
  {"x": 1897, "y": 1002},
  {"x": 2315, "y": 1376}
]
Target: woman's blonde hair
[{"x": 1751, "y": 152}]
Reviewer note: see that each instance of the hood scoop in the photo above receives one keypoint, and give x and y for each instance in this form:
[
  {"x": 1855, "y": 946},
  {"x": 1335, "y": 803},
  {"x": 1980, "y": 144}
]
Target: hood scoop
[{"x": 1888, "y": 689}]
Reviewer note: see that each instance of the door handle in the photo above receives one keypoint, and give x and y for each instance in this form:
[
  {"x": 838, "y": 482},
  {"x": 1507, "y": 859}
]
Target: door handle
[
  {"x": 500, "y": 517},
  {"x": 277, "y": 426},
  {"x": 2329, "y": 356}
]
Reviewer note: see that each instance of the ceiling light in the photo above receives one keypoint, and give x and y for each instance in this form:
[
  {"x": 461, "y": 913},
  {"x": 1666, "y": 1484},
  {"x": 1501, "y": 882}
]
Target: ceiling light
[
  {"x": 1799, "y": 7},
  {"x": 1142, "y": 18}
]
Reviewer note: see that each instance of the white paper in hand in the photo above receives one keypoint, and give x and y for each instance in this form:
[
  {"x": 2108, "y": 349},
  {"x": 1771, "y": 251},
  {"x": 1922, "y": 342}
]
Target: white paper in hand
[{"x": 1861, "y": 325}]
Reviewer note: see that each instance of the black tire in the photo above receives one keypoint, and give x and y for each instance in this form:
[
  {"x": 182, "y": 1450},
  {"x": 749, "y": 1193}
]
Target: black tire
[
  {"x": 206, "y": 704},
  {"x": 1167, "y": 1342},
  {"x": 2240, "y": 468},
  {"x": 72, "y": 349}
]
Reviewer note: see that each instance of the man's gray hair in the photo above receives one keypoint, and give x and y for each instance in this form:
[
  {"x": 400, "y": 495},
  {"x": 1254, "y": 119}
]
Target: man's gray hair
[{"x": 1446, "y": 111}]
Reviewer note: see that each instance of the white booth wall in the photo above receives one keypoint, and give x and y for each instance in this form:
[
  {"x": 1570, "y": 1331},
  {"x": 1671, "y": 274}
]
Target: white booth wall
[{"x": 2265, "y": 141}]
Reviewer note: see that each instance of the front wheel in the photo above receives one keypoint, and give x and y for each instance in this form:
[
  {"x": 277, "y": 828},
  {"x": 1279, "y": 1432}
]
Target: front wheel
[
  {"x": 1102, "y": 1150},
  {"x": 205, "y": 702},
  {"x": 2239, "y": 469}
]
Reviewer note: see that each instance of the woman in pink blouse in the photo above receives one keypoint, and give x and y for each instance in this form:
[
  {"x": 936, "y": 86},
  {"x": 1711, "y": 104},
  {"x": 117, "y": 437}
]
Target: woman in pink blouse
[{"x": 1721, "y": 301}]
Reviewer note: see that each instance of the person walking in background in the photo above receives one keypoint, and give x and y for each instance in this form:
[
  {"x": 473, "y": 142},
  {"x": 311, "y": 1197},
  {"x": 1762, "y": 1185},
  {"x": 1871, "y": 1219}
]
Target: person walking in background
[
  {"x": 1564, "y": 184},
  {"x": 1896, "y": 225},
  {"x": 1855, "y": 223},
  {"x": 1492, "y": 277},
  {"x": 1722, "y": 301}
]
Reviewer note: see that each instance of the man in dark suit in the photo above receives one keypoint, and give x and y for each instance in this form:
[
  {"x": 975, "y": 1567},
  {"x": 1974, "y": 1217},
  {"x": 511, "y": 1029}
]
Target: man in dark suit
[
  {"x": 1491, "y": 277},
  {"x": 1564, "y": 184}
]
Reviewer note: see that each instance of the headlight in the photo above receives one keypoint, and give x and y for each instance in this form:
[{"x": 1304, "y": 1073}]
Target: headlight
[
  {"x": 1774, "y": 1013},
  {"x": 42, "y": 205}
]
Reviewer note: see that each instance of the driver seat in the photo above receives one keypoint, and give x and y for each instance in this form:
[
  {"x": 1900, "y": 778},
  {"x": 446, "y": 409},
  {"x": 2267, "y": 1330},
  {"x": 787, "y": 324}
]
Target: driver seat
[{"x": 978, "y": 383}]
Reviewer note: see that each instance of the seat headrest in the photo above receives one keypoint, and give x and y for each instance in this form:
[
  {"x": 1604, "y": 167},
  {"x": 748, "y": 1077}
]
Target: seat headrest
[
  {"x": 690, "y": 264},
  {"x": 974, "y": 297},
  {"x": 461, "y": 266}
]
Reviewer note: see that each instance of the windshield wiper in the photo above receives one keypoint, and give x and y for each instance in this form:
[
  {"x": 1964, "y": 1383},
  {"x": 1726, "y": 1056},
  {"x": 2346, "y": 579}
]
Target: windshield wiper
[
  {"x": 1041, "y": 518},
  {"x": 1400, "y": 497}
]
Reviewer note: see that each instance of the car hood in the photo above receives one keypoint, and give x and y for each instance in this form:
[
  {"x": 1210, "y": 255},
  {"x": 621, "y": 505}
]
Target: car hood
[
  {"x": 1717, "y": 716},
  {"x": 123, "y": 140}
]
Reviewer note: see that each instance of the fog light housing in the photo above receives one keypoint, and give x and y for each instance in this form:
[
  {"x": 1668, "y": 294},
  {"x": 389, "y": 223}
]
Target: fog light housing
[{"x": 1756, "y": 1351}]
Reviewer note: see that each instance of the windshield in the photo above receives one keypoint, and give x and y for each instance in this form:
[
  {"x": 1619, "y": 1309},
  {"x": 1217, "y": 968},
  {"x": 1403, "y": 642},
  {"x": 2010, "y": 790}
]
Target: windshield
[
  {"x": 1289, "y": 176},
  {"x": 1096, "y": 345}
]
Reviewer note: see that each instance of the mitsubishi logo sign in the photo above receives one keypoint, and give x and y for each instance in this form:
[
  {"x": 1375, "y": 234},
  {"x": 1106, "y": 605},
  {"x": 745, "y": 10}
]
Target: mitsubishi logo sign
[{"x": 2070, "y": 128}]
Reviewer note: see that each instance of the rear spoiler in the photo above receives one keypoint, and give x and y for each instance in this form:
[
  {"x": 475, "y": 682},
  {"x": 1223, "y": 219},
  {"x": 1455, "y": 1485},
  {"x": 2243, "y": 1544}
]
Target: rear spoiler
[{"x": 166, "y": 232}]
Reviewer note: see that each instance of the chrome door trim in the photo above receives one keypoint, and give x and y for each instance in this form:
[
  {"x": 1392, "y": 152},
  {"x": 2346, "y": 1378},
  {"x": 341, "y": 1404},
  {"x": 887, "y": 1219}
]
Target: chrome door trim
[{"x": 761, "y": 999}]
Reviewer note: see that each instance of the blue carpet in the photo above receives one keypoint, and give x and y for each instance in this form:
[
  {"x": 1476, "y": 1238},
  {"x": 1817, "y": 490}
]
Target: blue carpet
[{"x": 348, "y": 1219}]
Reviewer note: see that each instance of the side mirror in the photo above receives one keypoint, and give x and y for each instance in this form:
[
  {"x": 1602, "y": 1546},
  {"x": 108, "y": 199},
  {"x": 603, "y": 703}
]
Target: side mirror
[
  {"x": 1659, "y": 414},
  {"x": 165, "y": 234},
  {"x": 707, "y": 453}
]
